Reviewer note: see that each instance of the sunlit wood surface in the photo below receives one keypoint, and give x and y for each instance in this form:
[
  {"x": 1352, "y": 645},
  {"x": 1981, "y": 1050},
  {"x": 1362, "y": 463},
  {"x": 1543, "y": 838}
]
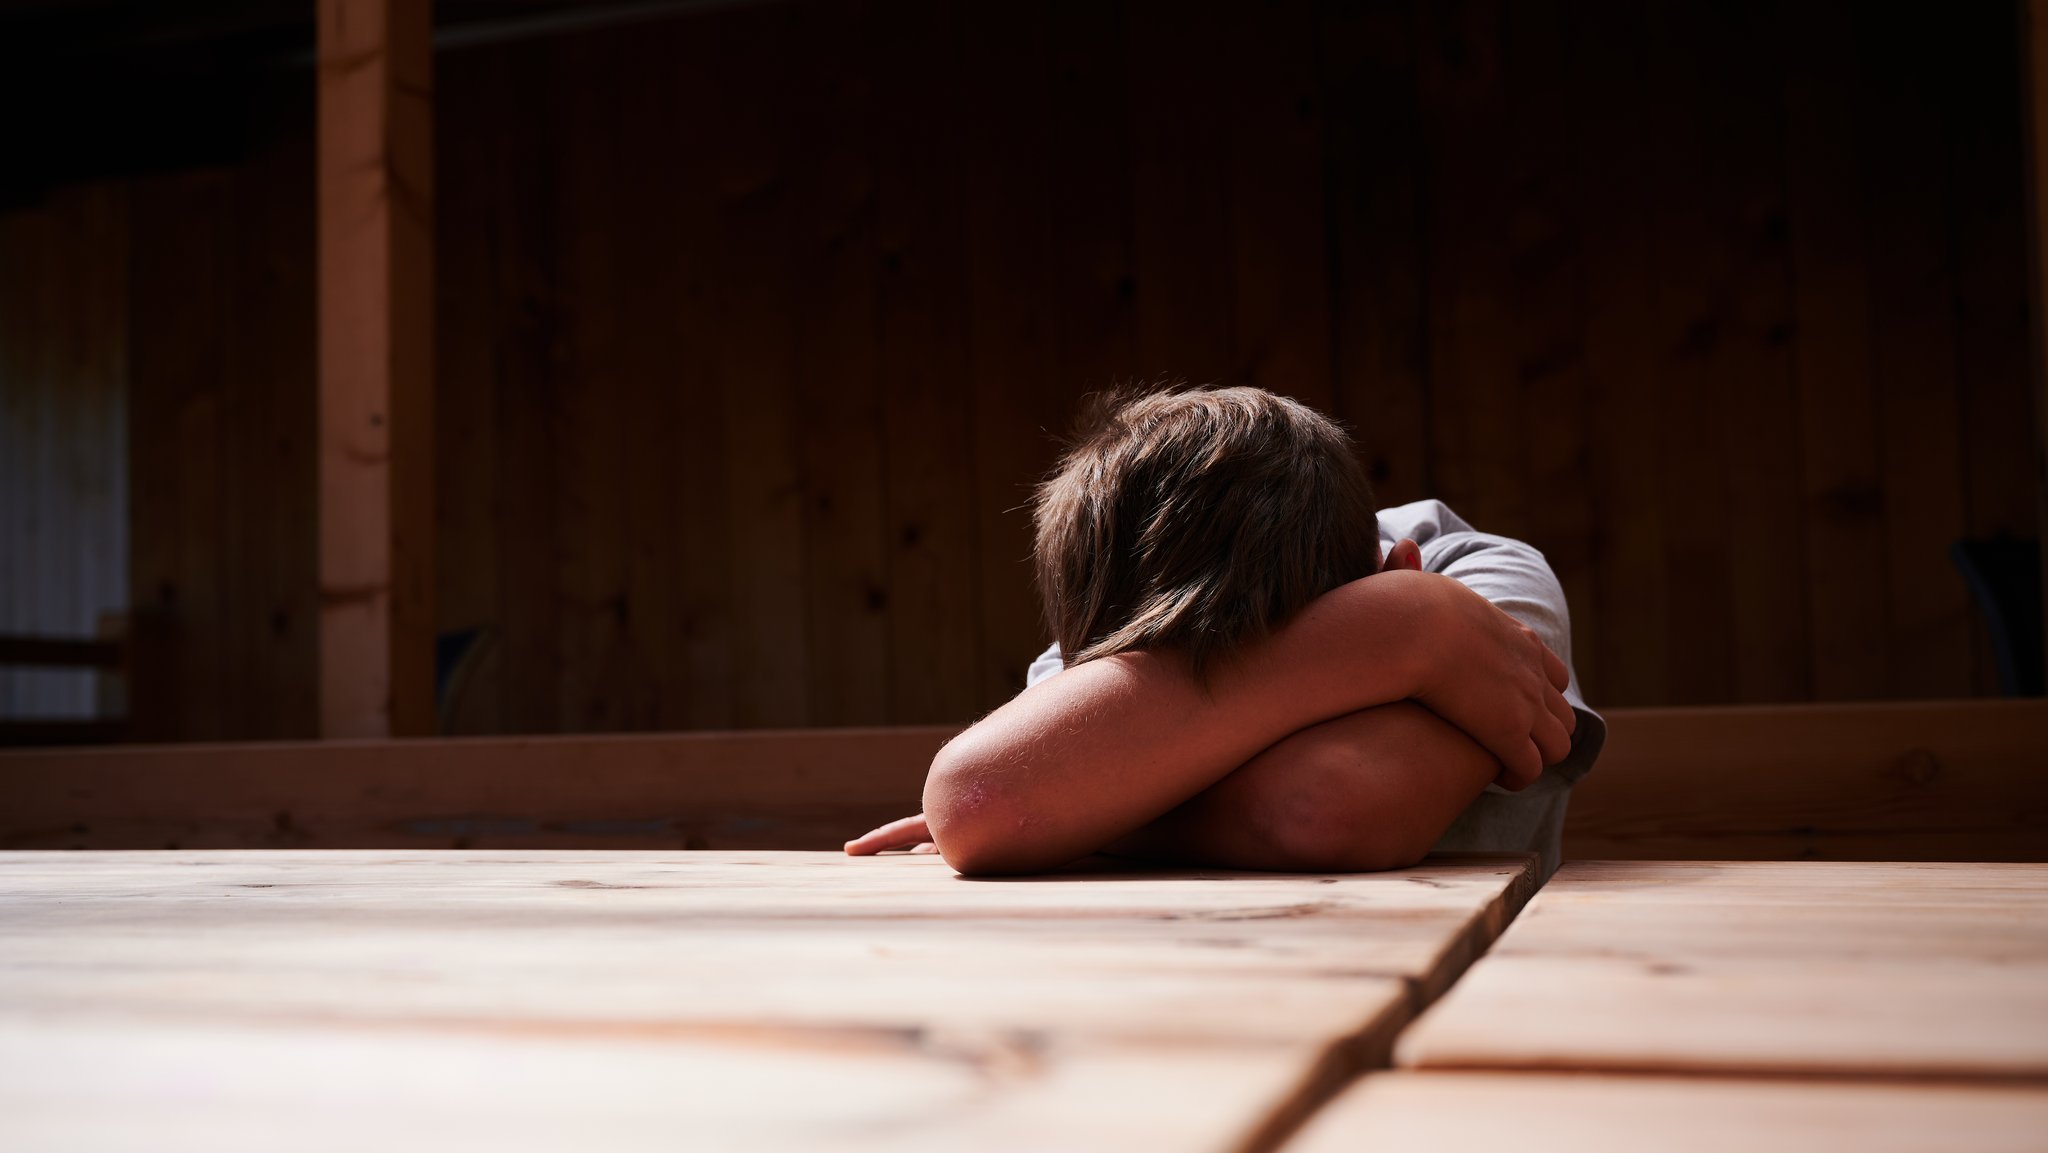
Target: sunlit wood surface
[
  {"x": 1551, "y": 1113},
  {"x": 733, "y": 1001},
  {"x": 1808, "y": 968},
  {"x": 1759, "y": 1006}
]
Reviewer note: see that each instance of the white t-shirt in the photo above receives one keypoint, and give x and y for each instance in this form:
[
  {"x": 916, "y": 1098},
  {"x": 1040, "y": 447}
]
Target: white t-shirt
[{"x": 1515, "y": 577}]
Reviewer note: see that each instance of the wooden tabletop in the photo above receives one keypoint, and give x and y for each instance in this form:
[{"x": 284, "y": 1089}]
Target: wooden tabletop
[{"x": 742, "y": 1001}]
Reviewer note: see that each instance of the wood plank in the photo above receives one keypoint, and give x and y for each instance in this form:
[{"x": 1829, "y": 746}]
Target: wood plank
[
  {"x": 1367, "y": 64},
  {"x": 1542, "y": 1114},
  {"x": 1913, "y": 356},
  {"x": 927, "y": 400},
  {"x": 1845, "y": 559},
  {"x": 181, "y": 241},
  {"x": 1183, "y": 297},
  {"x": 1477, "y": 408},
  {"x": 753, "y": 140},
  {"x": 270, "y": 566},
  {"x": 1984, "y": 121},
  {"x": 1547, "y": 242},
  {"x": 471, "y": 89},
  {"x": 594, "y": 389},
  {"x": 1921, "y": 781},
  {"x": 2034, "y": 79},
  {"x": 1934, "y": 781},
  {"x": 376, "y": 324},
  {"x": 1278, "y": 237},
  {"x": 798, "y": 789},
  {"x": 1013, "y": 348},
  {"x": 1761, "y": 969},
  {"x": 1759, "y": 401},
  {"x": 837, "y": 373},
  {"x": 1071, "y": 1013},
  {"x": 1630, "y": 608}
]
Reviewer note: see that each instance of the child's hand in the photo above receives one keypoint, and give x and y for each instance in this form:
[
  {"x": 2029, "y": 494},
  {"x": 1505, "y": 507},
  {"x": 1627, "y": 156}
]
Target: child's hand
[
  {"x": 1491, "y": 676},
  {"x": 909, "y": 833}
]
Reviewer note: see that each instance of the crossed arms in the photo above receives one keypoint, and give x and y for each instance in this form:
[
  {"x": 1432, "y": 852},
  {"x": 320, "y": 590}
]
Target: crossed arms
[{"x": 1348, "y": 739}]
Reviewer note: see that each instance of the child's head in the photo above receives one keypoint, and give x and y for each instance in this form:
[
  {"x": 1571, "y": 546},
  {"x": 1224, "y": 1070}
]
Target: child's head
[{"x": 1197, "y": 519}]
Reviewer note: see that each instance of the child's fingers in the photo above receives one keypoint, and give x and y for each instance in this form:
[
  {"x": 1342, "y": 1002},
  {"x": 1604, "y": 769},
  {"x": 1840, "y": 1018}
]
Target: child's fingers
[{"x": 897, "y": 834}]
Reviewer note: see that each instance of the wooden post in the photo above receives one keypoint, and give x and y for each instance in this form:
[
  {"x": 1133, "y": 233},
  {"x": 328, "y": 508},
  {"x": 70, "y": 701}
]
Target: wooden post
[
  {"x": 2034, "y": 92},
  {"x": 376, "y": 368}
]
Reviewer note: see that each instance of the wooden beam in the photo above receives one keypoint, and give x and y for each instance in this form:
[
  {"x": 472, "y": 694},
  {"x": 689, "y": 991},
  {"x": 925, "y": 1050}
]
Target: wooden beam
[
  {"x": 1955, "y": 780},
  {"x": 1907, "y": 781},
  {"x": 808, "y": 789},
  {"x": 2034, "y": 94},
  {"x": 376, "y": 368}
]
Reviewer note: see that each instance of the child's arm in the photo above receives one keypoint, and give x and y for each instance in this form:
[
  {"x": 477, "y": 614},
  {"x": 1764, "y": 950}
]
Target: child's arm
[
  {"x": 1108, "y": 746},
  {"x": 1374, "y": 789}
]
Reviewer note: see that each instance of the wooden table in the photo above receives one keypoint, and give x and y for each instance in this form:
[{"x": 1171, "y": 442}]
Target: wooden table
[
  {"x": 1801, "y": 1005},
  {"x": 732, "y": 1001}
]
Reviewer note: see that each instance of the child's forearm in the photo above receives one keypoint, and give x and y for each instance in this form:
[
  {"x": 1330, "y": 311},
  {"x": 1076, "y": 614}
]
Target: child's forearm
[
  {"x": 1374, "y": 789},
  {"x": 1108, "y": 746}
]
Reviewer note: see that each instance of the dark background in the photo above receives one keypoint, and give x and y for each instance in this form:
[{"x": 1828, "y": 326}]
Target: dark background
[{"x": 756, "y": 319}]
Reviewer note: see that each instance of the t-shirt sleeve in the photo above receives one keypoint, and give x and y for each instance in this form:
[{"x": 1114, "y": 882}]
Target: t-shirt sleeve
[
  {"x": 1516, "y": 578},
  {"x": 1044, "y": 665}
]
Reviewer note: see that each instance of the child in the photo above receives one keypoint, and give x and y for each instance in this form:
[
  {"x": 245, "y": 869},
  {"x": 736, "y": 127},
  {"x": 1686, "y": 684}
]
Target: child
[{"x": 1254, "y": 671}]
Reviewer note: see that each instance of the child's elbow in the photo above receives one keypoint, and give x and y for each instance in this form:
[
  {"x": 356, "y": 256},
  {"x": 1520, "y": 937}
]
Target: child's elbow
[{"x": 973, "y": 822}]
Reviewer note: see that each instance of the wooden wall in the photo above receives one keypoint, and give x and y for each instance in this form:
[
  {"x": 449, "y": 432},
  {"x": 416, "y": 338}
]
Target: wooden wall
[
  {"x": 63, "y": 436},
  {"x": 755, "y": 324}
]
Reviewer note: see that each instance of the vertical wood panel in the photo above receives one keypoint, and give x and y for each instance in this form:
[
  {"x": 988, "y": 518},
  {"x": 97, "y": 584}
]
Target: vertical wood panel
[
  {"x": 1180, "y": 92},
  {"x": 1280, "y": 271},
  {"x": 1848, "y": 580},
  {"x": 2034, "y": 80},
  {"x": 933, "y": 636},
  {"x": 1913, "y": 359},
  {"x": 1688, "y": 326},
  {"x": 468, "y": 311},
  {"x": 1630, "y": 604},
  {"x": 1367, "y": 64},
  {"x": 1476, "y": 413},
  {"x": 838, "y": 409},
  {"x": 1757, "y": 403},
  {"x": 1987, "y": 209},
  {"x": 753, "y": 139},
  {"x": 592, "y": 394},
  {"x": 529, "y": 343},
  {"x": 63, "y": 435},
  {"x": 177, "y": 338},
  {"x": 1548, "y": 281},
  {"x": 1013, "y": 354}
]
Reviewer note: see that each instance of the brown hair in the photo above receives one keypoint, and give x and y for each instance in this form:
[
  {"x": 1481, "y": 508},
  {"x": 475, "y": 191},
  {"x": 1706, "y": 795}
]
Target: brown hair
[{"x": 1197, "y": 520}]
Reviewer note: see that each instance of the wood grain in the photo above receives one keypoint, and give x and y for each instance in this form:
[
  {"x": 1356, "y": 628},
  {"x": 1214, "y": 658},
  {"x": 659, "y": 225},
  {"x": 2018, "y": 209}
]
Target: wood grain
[
  {"x": 1583, "y": 1114},
  {"x": 376, "y": 302},
  {"x": 1927, "y": 781},
  {"x": 1761, "y": 968},
  {"x": 1952, "y": 781},
  {"x": 785, "y": 1000},
  {"x": 1681, "y": 326}
]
